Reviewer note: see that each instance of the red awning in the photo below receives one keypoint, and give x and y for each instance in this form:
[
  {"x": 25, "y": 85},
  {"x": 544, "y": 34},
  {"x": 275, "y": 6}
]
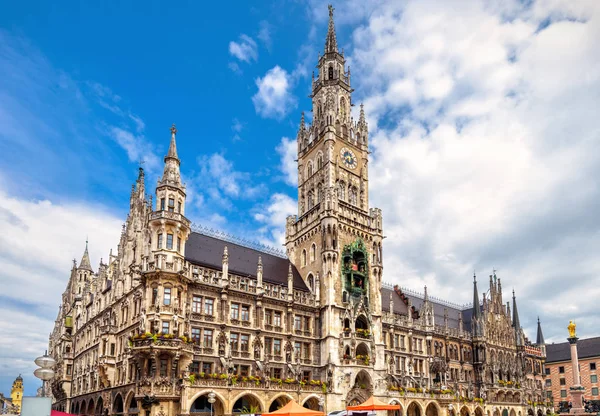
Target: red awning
[{"x": 57, "y": 413}]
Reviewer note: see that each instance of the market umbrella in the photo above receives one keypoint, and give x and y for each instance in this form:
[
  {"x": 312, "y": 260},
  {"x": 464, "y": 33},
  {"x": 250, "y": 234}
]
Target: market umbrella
[
  {"x": 294, "y": 409},
  {"x": 374, "y": 404}
]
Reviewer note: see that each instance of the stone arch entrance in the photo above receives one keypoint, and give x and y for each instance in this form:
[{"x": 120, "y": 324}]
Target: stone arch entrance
[
  {"x": 431, "y": 410},
  {"x": 539, "y": 412},
  {"x": 530, "y": 412},
  {"x": 278, "y": 402},
  {"x": 464, "y": 411},
  {"x": 132, "y": 406},
  {"x": 505, "y": 412},
  {"x": 311, "y": 403},
  {"x": 201, "y": 406},
  {"x": 118, "y": 406},
  {"x": 413, "y": 409},
  {"x": 512, "y": 412},
  {"x": 82, "y": 408},
  {"x": 99, "y": 406},
  {"x": 247, "y": 403},
  {"x": 90, "y": 408},
  {"x": 395, "y": 412},
  {"x": 478, "y": 411},
  {"x": 362, "y": 380}
]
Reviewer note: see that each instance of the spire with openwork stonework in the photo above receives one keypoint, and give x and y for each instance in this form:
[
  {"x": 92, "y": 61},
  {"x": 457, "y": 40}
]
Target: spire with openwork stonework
[{"x": 331, "y": 40}]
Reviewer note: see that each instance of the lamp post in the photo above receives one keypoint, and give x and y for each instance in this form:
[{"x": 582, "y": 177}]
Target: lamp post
[
  {"x": 211, "y": 400},
  {"x": 45, "y": 372}
]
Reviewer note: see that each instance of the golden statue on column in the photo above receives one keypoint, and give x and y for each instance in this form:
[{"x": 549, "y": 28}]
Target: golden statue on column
[{"x": 571, "y": 329}]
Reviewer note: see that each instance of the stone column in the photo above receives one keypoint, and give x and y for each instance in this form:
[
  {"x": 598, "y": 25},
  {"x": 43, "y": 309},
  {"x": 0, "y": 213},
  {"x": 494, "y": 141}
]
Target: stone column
[
  {"x": 576, "y": 389},
  {"x": 574, "y": 361}
]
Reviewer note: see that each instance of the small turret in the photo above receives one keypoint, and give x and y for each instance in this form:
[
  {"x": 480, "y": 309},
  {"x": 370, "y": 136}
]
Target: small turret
[
  {"x": 225, "y": 267},
  {"x": 290, "y": 282},
  {"x": 259, "y": 273},
  {"x": 85, "y": 263}
]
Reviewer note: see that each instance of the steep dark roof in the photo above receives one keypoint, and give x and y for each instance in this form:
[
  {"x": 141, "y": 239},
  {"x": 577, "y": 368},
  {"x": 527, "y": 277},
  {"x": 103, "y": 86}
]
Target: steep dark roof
[
  {"x": 586, "y": 348},
  {"x": 417, "y": 302},
  {"x": 204, "y": 250}
]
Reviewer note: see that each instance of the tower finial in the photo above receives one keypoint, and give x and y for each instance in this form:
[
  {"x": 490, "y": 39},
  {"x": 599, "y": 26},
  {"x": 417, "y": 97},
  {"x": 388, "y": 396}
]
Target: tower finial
[
  {"x": 331, "y": 41},
  {"x": 172, "y": 153},
  {"x": 361, "y": 118}
]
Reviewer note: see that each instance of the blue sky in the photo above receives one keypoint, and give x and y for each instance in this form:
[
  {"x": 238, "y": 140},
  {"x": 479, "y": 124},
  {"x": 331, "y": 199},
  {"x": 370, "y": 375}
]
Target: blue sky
[{"x": 481, "y": 115}]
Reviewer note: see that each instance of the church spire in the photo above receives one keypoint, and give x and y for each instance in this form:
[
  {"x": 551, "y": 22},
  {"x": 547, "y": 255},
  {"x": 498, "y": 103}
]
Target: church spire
[
  {"x": 330, "y": 40},
  {"x": 171, "y": 173},
  {"x": 516, "y": 323},
  {"x": 476, "y": 308},
  {"x": 540, "y": 335},
  {"x": 172, "y": 153},
  {"x": 85, "y": 263}
]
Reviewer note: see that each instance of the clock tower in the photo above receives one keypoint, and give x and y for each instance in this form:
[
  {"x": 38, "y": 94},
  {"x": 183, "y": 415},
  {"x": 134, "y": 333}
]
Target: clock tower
[{"x": 335, "y": 240}]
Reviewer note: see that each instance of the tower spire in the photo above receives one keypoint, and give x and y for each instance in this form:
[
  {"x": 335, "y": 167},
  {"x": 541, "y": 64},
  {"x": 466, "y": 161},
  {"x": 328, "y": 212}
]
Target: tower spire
[
  {"x": 172, "y": 153},
  {"x": 540, "y": 335},
  {"x": 331, "y": 40},
  {"x": 516, "y": 323},
  {"x": 171, "y": 173},
  {"x": 476, "y": 308},
  {"x": 85, "y": 263}
]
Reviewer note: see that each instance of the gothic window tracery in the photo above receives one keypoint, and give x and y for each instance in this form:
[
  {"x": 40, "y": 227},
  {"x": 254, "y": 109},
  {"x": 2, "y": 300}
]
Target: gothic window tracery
[{"x": 342, "y": 195}]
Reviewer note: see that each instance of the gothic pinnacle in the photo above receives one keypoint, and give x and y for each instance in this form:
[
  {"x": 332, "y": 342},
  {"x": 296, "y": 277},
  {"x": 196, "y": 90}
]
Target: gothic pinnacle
[
  {"x": 172, "y": 153},
  {"x": 331, "y": 41}
]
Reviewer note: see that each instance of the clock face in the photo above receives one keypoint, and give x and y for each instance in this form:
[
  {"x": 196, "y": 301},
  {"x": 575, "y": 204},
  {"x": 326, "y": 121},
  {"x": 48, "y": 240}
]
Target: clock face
[{"x": 348, "y": 158}]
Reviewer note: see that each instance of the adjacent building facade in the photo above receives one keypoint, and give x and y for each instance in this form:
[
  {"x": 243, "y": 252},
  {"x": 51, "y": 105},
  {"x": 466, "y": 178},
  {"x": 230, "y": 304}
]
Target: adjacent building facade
[
  {"x": 182, "y": 320},
  {"x": 559, "y": 373}
]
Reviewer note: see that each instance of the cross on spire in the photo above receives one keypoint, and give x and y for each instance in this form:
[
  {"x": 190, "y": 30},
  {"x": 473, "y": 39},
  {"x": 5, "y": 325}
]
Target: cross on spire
[{"x": 173, "y": 129}]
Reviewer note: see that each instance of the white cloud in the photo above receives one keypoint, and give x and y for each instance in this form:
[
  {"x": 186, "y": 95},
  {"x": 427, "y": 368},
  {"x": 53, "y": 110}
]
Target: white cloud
[
  {"x": 38, "y": 242},
  {"x": 273, "y": 216},
  {"x": 136, "y": 146},
  {"x": 288, "y": 152},
  {"x": 274, "y": 99},
  {"x": 245, "y": 50},
  {"x": 485, "y": 139},
  {"x": 264, "y": 34}
]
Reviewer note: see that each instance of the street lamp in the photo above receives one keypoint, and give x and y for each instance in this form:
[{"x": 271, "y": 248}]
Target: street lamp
[
  {"x": 45, "y": 372},
  {"x": 211, "y": 400}
]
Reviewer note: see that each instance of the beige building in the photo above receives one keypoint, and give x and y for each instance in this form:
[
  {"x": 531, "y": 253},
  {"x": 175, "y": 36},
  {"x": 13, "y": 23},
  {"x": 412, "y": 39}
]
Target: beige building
[{"x": 181, "y": 316}]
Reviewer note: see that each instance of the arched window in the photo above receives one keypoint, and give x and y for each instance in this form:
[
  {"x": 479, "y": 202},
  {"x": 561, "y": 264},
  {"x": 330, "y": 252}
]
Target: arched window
[
  {"x": 311, "y": 199},
  {"x": 342, "y": 194},
  {"x": 311, "y": 282},
  {"x": 303, "y": 259},
  {"x": 343, "y": 108},
  {"x": 330, "y": 72},
  {"x": 319, "y": 161},
  {"x": 309, "y": 170},
  {"x": 313, "y": 252},
  {"x": 320, "y": 195}
]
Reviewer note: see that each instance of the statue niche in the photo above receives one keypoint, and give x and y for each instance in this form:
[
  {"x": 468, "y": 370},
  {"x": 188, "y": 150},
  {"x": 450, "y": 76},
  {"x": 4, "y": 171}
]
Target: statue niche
[{"x": 355, "y": 269}]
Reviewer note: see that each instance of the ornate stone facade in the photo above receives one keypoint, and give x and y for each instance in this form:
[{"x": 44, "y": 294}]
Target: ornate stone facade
[{"x": 185, "y": 321}]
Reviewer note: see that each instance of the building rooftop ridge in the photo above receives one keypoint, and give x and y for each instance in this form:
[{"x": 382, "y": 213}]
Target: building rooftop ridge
[
  {"x": 222, "y": 235},
  {"x": 420, "y": 295}
]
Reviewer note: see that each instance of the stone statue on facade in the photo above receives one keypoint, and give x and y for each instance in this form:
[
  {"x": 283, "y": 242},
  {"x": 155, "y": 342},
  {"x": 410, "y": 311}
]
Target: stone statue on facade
[{"x": 143, "y": 321}]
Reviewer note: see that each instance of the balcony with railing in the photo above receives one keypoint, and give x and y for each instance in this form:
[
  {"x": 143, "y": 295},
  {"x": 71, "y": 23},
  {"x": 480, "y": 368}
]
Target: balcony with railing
[
  {"x": 234, "y": 381},
  {"x": 169, "y": 216}
]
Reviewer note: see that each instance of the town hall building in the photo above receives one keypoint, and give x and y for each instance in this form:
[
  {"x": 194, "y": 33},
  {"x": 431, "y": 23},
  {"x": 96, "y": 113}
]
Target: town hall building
[{"x": 181, "y": 320}]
